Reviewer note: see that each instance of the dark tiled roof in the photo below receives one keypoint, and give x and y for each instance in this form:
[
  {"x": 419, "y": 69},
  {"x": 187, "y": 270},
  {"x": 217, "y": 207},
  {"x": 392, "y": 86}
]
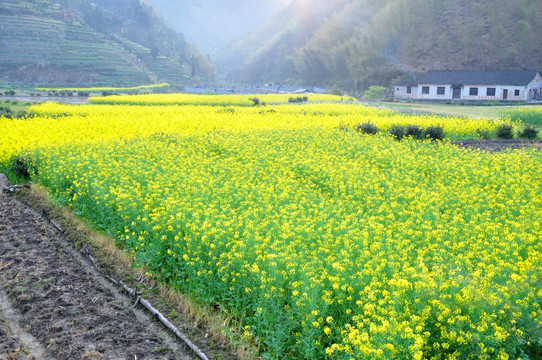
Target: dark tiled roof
[
  {"x": 406, "y": 83},
  {"x": 479, "y": 77}
]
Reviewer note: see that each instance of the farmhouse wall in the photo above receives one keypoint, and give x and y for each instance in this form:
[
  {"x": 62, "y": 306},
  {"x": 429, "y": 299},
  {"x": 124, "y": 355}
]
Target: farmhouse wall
[
  {"x": 401, "y": 92},
  {"x": 431, "y": 91},
  {"x": 513, "y": 93},
  {"x": 535, "y": 88}
]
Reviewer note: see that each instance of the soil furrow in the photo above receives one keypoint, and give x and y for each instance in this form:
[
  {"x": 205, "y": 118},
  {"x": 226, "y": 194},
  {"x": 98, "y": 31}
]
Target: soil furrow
[{"x": 63, "y": 302}]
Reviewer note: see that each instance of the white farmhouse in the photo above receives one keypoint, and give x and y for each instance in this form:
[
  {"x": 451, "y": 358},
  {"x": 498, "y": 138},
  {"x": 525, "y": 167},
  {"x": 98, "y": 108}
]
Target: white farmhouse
[{"x": 512, "y": 85}]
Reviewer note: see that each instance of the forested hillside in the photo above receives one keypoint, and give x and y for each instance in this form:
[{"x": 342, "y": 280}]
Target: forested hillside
[
  {"x": 462, "y": 34},
  {"x": 79, "y": 42},
  {"x": 357, "y": 43}
]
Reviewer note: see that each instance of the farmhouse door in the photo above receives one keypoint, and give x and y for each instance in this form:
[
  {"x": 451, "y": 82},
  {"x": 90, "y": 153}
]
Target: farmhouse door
[
  {"x": 456, "y": 93},
  {"x": 505, "y": 94}
]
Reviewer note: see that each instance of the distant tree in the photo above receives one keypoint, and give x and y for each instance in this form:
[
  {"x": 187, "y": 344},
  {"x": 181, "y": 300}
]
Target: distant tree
[
  {"x": 335, "y": 90},
  {"x": 154, "y": 51},
  {"x": 374, "y": 93}
]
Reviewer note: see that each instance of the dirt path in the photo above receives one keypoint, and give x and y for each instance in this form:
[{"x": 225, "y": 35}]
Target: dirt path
[
  {"x": 16, "y": 342},
  {"x": 55, "y": 305},
  {"x": 496, "y": 145}
]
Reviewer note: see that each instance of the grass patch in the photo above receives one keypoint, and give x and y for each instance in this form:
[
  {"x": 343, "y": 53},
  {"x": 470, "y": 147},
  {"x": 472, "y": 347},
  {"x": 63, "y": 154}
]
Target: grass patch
[
  {"x": 470, "y": 111},
  {"x": 529, "y": 115}
]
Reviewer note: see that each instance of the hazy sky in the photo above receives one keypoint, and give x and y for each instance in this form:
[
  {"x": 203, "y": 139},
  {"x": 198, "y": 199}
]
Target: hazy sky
[{"x": 212, "y": 24}]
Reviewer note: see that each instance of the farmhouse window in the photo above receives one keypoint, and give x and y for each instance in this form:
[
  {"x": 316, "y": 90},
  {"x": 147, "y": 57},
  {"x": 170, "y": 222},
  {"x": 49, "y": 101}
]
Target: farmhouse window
[
  {"x": 473, "y": 91},
  {"x": 425, "y": 89},
  {"x": 409, "y": 89},
  {"x": 490, "y": 92},
  {"x": 516, "y": 92},
  {"x": 441, "y": 90}
]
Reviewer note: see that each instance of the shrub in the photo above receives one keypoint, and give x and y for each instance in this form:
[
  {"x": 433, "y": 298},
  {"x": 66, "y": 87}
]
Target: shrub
[
  {"x": 343, "y": 127},
  {"x": 483, "y": 134},
  {"x": 22, "y": 169},
  {"x": 255, "y": 100},
  {"x": 505, "y": 131},
  {"x": 298, "y": 99},
  {"x": 22, "y": 114},
  {"x": 528, "y": 132},
  {"x": 82, "y": 93},
  {"x": 227, "y": 111},
  {"x": 414, "y": 131},
  {"x": 434, "y": 132},
  {"x": 5, "y": 111},
  {"x": 367, "y": 128},
  {"x": 397, "y": 131}
]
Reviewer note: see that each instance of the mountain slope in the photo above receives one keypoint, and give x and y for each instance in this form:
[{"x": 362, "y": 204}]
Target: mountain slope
[
  {"x": 358, "y": 43},
  {"x": 213, "y": 24},
  {"x": 76, "y": 42},
  {"x": 267, "y": 54}
]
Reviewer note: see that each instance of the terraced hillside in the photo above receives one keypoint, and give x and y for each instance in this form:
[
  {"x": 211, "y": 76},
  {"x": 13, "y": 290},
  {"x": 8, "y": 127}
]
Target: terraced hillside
[{"x": 44, "y": 42}]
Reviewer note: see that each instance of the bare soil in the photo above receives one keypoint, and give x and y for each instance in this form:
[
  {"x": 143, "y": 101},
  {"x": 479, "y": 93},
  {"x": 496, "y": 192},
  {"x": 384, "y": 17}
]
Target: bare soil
[
  {"x": 55, "y": 304},
  {"x": 496, "y": 145}
]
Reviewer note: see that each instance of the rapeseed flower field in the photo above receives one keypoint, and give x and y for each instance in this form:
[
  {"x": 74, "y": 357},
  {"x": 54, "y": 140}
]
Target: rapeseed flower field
[
  {"x": 212, "y": 99},
  {"x": 322, "y": 242}
]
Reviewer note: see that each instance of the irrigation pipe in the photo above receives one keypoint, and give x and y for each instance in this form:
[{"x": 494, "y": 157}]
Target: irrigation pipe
[{"x": 161, "y": 317}]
